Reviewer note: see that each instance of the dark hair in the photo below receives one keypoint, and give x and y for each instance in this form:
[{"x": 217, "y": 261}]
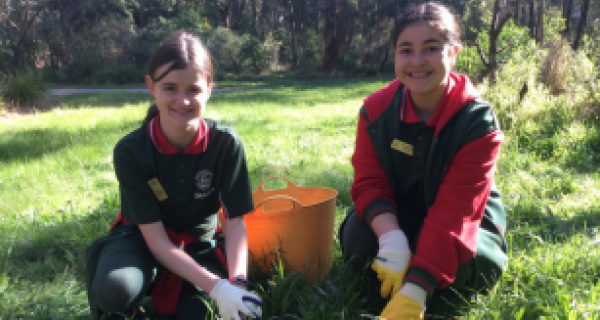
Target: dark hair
[
  {"x": 436, "y": 14},
  {"x": 180, "y": 49}
]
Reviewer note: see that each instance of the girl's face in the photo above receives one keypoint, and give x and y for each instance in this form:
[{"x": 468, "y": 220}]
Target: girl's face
[
  {"x": 424, "y": 59},
  {"x": 180, "y": 96}
]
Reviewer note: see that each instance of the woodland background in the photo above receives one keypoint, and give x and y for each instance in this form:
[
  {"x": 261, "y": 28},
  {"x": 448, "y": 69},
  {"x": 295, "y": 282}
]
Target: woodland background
[
  {"x": 305, "y": 67},
  {"x": 110, "y": 41}
]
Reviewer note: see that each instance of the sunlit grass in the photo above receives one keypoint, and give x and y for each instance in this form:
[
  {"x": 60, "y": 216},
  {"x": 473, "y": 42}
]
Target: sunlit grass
[{"x": 58, "y": 192}]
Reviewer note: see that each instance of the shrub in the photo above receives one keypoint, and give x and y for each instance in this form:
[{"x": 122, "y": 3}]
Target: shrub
[
  {"x": 469, "y": 62},
  {"x": 591, "y": 43},
  {"x": 564, "y": 69},
  {"x": 512, "y": 39},
  {"x": 254, "y": 54},
  {"x": 24, "y": 88},
  {"x": 237, "y": 54},
  {"x": 521, "y": 68},
  {"x": 591, "y": 105},
  {"x": 124, "y": 74},
  {"x": 224, "y": 47}
]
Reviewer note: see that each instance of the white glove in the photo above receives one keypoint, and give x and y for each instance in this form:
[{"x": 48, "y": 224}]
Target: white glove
[
  {"x": 392, "y": 261},
  {"x": 232, "y": 301}
]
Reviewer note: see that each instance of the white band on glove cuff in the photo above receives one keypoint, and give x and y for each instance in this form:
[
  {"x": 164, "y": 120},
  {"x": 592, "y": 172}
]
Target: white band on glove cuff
[{"x": 414, "y": 291}]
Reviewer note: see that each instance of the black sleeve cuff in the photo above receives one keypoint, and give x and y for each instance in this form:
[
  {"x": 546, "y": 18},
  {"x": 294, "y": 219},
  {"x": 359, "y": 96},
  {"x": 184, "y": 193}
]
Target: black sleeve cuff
[
  {"x": 376, "y": 208},
  {"x": 421, "y": 278}
]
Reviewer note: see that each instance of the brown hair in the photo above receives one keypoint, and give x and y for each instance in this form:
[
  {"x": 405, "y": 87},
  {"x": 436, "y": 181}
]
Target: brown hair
[
  {"x": 180, "y": 49},
  {"x": 436, "y": 14}
]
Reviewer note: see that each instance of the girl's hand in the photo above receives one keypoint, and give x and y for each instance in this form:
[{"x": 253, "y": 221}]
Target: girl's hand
[
  {"x": 392, "y": 261},
  {"x": 233, "y": 301}
]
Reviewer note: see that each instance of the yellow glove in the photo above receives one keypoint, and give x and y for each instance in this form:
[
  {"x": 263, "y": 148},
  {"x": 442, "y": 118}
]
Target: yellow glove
[
  {"x": 407, "y": 304},
  {"x": 392, "y": 261}
]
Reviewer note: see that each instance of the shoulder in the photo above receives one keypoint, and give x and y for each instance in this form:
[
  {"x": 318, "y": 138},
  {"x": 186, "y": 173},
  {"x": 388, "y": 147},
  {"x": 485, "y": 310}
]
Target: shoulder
[
  {"x": 481, "y": 113},
  {"x": 473, "y": 121},
  {"x": 379, "y": 100},
  {"x": 222, "y": 134},
  {"x": 133, "y": 142},
  {"x": 221, "y": 130}
]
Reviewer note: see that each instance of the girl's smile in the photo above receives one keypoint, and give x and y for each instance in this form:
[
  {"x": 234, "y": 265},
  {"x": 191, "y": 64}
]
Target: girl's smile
[
  {"x": 181, "y": 97},
  {"x": 423, "y": 61}
]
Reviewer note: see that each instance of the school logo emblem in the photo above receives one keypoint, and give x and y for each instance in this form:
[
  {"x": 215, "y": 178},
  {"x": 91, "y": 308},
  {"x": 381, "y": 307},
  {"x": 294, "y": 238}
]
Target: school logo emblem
[{"x": 204, "y": 183}]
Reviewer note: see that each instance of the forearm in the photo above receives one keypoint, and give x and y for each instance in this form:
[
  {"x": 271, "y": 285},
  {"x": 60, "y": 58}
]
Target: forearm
[
  {"x": 174, "y": 259},
  {"x": 371, "y": 191},
  {"x": 383, "y": 223},
  {"x": 236, "y": 247},
  {"x": 180, "y": 263}
]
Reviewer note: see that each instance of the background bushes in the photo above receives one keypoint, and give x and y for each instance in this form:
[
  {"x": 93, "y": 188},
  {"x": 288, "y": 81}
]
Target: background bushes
[{"x": 23, "y": 88}]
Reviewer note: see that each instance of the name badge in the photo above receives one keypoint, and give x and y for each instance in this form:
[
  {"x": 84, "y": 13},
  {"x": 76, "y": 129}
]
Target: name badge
[
  {"x": 158, "y": 190},
  {"x": 402, "y": 147}
]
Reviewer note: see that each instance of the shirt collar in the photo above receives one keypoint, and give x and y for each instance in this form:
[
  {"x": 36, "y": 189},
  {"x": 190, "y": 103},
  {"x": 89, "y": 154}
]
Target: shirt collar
[
  {"x": 407, "y": 112},
  {"x": 163, "y": 145}
]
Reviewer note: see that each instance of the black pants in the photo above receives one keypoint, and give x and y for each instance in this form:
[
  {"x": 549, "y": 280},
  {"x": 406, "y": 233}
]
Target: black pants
[
  {"x": 126, "y": 270},
  {"x": 360, "y": 245}
]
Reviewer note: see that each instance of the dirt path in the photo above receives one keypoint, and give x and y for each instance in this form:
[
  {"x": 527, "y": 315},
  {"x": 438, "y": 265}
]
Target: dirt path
[
  {"x": 65, "y": 92},
  {"x": 49, "y": 103}
]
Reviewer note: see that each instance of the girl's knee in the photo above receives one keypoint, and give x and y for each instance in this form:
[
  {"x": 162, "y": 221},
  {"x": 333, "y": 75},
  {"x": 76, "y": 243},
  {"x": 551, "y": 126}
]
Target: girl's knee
[
  {"x": 118, "y": 290},
  {"x": 358, "y": 241}
]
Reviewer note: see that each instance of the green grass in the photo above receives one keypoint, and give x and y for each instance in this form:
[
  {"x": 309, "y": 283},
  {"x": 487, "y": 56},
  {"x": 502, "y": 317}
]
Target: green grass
[{"x": 58, "y": 193}]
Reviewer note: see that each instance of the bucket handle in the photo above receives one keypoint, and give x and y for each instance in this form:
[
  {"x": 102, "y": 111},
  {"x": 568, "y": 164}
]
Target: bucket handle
[
  {"x": 293, "y": 200},
  {"x": 290, "y": 184}
]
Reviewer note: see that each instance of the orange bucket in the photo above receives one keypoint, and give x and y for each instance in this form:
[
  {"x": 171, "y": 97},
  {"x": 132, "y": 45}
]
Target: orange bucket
[{"x": 295, "y": 222}]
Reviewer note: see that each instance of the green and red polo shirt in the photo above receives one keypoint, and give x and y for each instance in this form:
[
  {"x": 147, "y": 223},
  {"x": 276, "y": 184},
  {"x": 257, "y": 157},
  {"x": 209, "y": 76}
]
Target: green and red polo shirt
[{"x": 182, "y": 188}]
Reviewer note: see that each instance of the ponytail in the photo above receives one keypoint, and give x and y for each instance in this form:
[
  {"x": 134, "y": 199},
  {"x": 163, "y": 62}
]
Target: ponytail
[{"x": 151, "y": 113}]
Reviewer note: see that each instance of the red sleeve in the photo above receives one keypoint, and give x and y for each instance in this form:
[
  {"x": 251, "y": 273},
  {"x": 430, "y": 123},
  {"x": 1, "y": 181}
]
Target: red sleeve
[
  {"x": 449, "y": 234},
  {"x": 371, "y": 191}
]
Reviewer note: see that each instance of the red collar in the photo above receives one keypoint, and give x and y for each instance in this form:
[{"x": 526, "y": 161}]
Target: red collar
[
  {"x": 163, "y": 145},
  {"x": 408, "y": 115}
]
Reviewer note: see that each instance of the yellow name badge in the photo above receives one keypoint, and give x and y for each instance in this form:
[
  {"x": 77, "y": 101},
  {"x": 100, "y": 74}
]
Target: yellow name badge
[
  {"x": 402, "y": 147},
  {"x": 158, "y": 190}
]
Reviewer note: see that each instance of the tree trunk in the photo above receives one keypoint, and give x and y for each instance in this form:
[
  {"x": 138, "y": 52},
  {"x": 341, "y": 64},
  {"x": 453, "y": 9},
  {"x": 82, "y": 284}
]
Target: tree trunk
[
  {"x": 498, "y": 22},
  {"x": 582, "y": 20},
  {"x": 237, "y": 13},
  {"x": 540, "y": 22},
  {"x": 383, "y": 62},
  {"x": 254, "y": 31},
  {"x": 567, "y": 12},
  {"x": 225, "y": 11},
  {"x": 293, "y": 39},
  {"x": 517, "y": 9},
  {"x": 142, "y": 9},
  {"x": 339, "y": 16},
  {"x": 330, "y": 43},
  {"x": 532, "y": 18},
  {"x": 264, "y": 19}
]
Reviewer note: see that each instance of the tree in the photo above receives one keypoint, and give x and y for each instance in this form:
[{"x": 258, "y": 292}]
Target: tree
[
  {"x": 338, "y": 25},
  {"x": 532, "y": 18},
  {"x": 17, "y": 18},
  {"x": 498, "y": 21},
  {"x": 567, "y": 12},
  {"x": 585, "y": 5},
  {"x": 517, "y": 11},
  {"x": 225, "y": 11},
  {"x": 540, "y": 22},
  {"x": 230, "y": 9}
]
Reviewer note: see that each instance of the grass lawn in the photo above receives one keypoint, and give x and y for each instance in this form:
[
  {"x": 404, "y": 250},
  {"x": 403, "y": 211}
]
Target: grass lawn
[{"x": 58, "y": 193}]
